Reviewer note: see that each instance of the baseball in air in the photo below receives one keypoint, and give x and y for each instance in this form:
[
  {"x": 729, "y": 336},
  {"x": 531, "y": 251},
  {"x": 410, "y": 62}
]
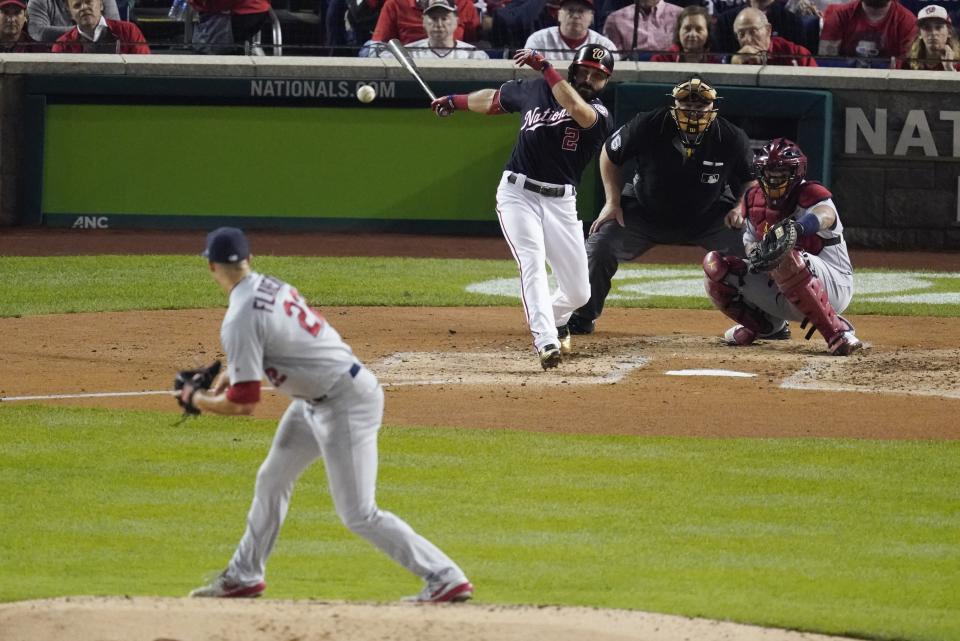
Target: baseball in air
[{"x": 366, "y": 93}]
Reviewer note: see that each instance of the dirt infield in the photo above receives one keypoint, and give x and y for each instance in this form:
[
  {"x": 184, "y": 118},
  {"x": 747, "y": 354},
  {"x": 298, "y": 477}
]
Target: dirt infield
[
  {"x": 144, "y": 619},
  {"x": 644, "y": 372}
]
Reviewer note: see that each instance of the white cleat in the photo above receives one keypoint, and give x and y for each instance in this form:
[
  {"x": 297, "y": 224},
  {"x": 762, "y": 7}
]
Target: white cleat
[{"x": 550, "y": 356}]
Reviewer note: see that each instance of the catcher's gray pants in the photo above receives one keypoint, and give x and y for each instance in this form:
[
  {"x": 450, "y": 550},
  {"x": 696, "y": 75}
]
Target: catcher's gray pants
[
  {"x": 760, "y": 290},
  {"x": 343, "y": 430}
]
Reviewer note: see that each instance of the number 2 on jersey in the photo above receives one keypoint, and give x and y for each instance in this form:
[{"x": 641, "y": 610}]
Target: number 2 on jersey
[
  {"x": 308, "y": 318},
  {"x": 571, "y": 137}
]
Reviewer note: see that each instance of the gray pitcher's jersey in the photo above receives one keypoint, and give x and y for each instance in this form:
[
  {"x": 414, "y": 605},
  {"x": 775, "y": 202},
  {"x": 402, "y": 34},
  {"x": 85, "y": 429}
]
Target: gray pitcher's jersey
[{"x": 270, "y": 331}]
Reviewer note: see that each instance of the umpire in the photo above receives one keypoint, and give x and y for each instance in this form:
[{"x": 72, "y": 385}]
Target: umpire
[{"x": 692, "y": 167}]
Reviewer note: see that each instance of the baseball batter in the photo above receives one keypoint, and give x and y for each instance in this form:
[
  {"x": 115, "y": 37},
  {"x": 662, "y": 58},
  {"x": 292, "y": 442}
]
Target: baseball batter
[
  {"x": 813, "y": 281},
  {"x": 563, "y": 124},
  {"x": 270, "y": 331}
]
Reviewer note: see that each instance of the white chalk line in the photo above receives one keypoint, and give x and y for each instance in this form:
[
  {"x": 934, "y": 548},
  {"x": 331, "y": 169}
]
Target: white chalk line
[{"x": 56, "y": 397}]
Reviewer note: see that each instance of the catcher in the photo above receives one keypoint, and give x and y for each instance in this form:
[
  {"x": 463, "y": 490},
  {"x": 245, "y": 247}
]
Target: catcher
[{"x": 797, "y": 267}]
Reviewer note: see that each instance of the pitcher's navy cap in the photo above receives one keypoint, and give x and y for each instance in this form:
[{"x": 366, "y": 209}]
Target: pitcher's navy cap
[{"x": 226, "y": 245}]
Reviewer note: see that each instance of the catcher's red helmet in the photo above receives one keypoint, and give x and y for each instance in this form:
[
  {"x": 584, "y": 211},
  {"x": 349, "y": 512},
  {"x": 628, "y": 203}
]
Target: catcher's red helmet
[{"x": 780, "y": 167}]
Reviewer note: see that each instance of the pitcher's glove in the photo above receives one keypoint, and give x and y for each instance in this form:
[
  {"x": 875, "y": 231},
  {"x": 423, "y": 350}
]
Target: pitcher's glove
[
  {"x": 778, "y": 240},
  {"x": 189, "y": 381}
]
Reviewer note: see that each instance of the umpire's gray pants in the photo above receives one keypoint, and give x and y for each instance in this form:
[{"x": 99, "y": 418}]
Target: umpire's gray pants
[{"x": 612, "y": 244}]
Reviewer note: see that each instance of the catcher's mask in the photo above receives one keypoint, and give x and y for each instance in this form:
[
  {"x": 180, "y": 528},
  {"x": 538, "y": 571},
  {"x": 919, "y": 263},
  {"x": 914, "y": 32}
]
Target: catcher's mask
[
  {"x": 780, "y": 166},
  {"x": 693, "y": 110},
  {"x": 593, "y": 57}
]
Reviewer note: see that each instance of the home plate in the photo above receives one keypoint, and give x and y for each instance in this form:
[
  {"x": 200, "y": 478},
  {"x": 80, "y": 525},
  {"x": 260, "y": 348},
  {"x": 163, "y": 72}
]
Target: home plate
[{"x": 708, "y": 372}]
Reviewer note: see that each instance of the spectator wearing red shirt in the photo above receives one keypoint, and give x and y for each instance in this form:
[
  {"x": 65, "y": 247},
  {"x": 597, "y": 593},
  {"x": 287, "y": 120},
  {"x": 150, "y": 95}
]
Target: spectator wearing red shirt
[
  {"x": 403, "y": 19},
  {"x": 691, "y": 39},
  {"x": 758, "y": 45},
  {"x": 96, "y": 34},
  {"x": 867, "y": 29},
  {"x": 785, "y": 23},
  {"x": 936, "y": 47}
]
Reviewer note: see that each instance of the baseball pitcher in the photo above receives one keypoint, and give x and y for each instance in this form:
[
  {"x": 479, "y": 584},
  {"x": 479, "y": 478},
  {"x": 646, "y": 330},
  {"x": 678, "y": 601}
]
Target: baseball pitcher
[{"x": 270, "y": 331}]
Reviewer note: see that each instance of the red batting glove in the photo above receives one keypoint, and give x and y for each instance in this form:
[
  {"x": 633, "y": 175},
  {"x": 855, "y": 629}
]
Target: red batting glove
[
  {"x": 530, "y": 57},
  {"x": 443, "y": 106},
  {"x": 446, "y": 105}
]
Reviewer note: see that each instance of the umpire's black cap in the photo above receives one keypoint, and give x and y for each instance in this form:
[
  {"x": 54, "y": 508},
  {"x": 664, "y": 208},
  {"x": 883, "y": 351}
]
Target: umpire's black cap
[{"x": 226, "y": 245}]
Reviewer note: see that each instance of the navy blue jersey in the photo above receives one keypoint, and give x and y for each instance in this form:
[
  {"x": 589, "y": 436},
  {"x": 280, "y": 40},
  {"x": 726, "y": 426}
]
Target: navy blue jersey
[{"x": 551, "y": 146}]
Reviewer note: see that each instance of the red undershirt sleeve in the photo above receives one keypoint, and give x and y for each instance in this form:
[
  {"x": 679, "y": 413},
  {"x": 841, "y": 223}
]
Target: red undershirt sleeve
[{"x": 244, "y": 393}]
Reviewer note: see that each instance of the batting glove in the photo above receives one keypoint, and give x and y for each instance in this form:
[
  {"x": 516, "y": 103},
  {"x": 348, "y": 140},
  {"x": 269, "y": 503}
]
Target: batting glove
[
  {"x": 532, "y": 58},
  {"x": 443, "y": 106}
]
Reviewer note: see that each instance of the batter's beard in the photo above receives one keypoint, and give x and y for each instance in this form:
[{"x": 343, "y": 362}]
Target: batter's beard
[
  {"x": 586, "y": 92},
  {"x": 876, "y": 4}
]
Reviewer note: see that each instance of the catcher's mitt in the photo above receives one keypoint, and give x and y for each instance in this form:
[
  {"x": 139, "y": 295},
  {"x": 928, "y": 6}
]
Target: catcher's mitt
[
  {"x": 188, "y": 381},
  {"x": 778, "y": 240}
]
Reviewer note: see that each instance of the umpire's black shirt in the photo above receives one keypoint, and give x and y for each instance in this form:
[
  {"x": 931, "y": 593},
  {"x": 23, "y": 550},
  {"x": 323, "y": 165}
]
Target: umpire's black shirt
[{"x": 675, "y": 191}]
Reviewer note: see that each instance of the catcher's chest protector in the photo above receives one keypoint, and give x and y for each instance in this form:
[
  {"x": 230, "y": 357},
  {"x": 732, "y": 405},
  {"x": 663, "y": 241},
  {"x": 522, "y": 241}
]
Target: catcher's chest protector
[{"x": 764, "y": 217}]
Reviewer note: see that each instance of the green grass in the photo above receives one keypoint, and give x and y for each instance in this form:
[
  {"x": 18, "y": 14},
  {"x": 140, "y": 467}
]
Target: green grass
[
  {"x": 111, "y": 283},
  {"x": 47, "y": 285},
  {"x": 835, "y": 536}
]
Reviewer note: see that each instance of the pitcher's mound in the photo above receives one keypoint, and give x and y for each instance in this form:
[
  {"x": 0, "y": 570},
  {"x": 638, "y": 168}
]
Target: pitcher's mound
[{"x": 168, "y": 619}]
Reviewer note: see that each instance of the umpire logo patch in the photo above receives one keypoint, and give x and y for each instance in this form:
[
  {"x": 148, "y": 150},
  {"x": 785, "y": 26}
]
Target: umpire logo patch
[{"x": 709, "y": 179}]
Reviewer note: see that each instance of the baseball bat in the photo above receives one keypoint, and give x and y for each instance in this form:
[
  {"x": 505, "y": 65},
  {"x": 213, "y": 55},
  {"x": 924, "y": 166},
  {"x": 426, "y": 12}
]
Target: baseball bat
[{"x": 403, "y": 57}]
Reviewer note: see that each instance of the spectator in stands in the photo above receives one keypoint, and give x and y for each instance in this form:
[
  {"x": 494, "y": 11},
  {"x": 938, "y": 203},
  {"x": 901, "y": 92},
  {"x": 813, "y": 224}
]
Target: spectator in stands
[
  {"x": 225, "y": 26},
  {"x": 691, "y": 39},
  {"x": 653, "y": 24},
  {"x": 936, "y": 47},
  {"x": 96, "y": 34},
  {"x": 867, "y": 29},
  {"x": 561, "y": 42},
  {"x": 403, "y": 19},
  {"x": 13, "y": 37},
  {"x": 758, "y": 45},
  {"x": 784, "y": 24},
  {"x": 47, "y": 20},
  {"x": 509, "y": 24},
  {"x": 440, "y": 23}
]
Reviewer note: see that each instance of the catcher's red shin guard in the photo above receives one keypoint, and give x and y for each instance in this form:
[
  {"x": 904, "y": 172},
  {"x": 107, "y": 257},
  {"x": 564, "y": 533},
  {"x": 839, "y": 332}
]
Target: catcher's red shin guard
[
  {"x": 727, "y": 298},
  {"x": 807, "y": 293}
]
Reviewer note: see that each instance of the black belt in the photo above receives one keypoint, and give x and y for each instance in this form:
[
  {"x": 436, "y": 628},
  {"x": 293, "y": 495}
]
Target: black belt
[
  {"x": 543, "y": 190},
  {"x": 354, "y": 370}
]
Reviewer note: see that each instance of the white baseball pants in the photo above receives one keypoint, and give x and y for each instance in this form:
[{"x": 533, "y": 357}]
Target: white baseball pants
[
  {"x": 343, "y": 430},
  {"x": 541, "y": 231}
]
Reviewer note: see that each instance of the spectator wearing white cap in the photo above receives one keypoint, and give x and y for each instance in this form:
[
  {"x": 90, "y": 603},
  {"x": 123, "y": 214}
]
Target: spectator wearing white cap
[
  {"x": 561, "y": 42},
  {"x": 935, "y": 47},
  {"x": 440, "y": 23}
]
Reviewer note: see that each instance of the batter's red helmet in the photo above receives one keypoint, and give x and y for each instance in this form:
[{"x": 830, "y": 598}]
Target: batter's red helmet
[
  {"x": 780, "y": 167},
  {"x": 593, "y": 56}
]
